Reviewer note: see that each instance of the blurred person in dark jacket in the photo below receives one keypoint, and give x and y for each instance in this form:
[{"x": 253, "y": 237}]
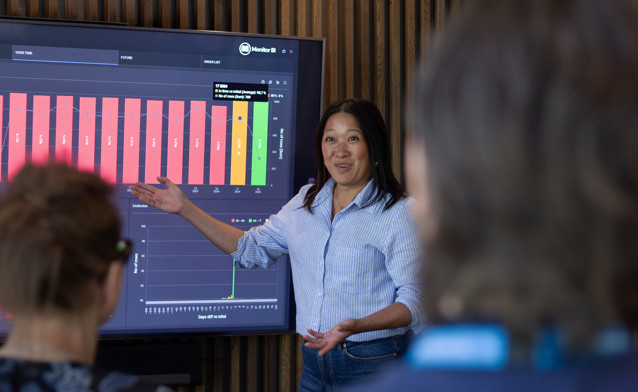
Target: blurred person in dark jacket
[{"x": 522, "y": 156}]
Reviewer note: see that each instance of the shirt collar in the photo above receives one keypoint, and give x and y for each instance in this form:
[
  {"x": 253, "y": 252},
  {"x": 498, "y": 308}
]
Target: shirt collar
[
  {"x": 367, "y": 193},
  {"x": 325, "y": 193}
]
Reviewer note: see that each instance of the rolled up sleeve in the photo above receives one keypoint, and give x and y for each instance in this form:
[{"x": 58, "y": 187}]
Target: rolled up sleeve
[
  {"x": 262, "y": 245},
  {"x": 404, "y": 260}
]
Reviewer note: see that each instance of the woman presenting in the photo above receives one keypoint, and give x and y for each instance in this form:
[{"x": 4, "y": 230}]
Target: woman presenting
[{"x": 352, "y": 246}]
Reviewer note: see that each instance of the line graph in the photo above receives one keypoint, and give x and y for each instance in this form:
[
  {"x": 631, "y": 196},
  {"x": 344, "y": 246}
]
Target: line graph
[
  {"x": 232, "y": 293},
  {"x": 175, "y": 267},
  {"x": 191, "y": 270},
  {"x": 174, "y": 254}
]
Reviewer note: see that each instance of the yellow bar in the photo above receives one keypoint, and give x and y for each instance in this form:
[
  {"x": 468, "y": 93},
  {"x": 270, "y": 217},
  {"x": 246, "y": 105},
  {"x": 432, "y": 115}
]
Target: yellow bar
[{"x": 240, "y": 133}]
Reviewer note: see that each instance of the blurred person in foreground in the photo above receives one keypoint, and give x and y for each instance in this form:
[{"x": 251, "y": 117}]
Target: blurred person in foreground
[
  {"x": 523, "y": 160},
  {"x": 61, "y": 266}
]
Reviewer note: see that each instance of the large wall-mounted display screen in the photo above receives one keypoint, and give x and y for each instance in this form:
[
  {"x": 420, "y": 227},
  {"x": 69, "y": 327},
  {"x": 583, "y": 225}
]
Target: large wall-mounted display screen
[{"x": 228, "y": 117}]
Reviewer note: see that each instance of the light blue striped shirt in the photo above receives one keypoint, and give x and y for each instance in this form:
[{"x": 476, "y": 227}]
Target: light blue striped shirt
[{"x": 363, "y": 261}]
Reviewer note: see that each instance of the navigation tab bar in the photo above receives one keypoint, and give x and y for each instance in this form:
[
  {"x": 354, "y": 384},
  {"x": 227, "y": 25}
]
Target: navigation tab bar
[{"x": 50, "y": 54}]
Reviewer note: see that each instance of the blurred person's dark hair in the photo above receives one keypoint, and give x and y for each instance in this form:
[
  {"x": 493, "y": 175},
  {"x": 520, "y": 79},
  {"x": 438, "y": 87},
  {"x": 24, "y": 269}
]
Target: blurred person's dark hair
[
  {"x": 377, "y": 140},
  {"x": 59, "y": 230},
  {"x": 528, "y": 114}
]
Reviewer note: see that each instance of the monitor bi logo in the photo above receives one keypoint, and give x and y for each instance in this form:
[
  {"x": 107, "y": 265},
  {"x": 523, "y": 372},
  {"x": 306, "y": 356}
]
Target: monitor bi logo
[{"x": 245, "y": 48}]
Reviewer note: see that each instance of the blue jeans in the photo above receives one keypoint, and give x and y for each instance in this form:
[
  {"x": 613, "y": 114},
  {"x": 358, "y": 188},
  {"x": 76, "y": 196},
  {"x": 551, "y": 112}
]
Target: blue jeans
[{"x": 349, "y": 362}]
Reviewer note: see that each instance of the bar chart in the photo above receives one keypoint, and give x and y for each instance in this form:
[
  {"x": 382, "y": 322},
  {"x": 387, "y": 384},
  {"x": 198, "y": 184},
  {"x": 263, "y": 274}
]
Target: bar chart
[{"x": 129, "y": 139}]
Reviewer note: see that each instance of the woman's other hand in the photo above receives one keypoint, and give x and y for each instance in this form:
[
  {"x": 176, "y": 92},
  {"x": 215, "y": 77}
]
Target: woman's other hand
[{"x": 324, "y": 342}]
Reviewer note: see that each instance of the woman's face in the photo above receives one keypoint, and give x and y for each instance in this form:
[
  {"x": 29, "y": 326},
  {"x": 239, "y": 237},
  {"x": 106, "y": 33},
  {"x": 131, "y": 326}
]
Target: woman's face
[{"x": 345, "y": 153}]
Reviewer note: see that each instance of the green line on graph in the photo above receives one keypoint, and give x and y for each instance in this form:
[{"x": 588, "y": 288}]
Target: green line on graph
[{"x": 232, "y": 294}]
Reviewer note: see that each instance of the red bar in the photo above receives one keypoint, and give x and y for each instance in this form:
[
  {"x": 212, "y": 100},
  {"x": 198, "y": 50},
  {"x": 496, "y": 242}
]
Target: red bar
[
  {"x": 175, "y": 153},
  {"x": 41, "y": 128},
  {"x": 1, "y": 132},
  {"x": 86, "y": 136},
  {"x": 218, "y": 144},
  {"x": 64, "y": 129},
  {"x": 131, "y": 169},
  {"x": 17, "y": 132},
  {"x": 108, "y": 160},
  {"x": 154, "y": 116},
  {"x": 196, "y": 145}
]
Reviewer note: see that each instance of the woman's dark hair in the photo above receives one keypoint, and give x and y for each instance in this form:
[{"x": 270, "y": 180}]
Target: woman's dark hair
[
  {"x": 59, "y": 231},
  {"x": 527, "y": 112},
  {"x": 378, "y": 142}
]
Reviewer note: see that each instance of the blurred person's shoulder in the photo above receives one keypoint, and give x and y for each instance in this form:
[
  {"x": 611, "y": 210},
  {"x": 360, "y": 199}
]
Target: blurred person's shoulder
[
  {"x": 607, "y": 374},
  {"x": 18, "y": 374},
  {"x": 117, "y": 381}
]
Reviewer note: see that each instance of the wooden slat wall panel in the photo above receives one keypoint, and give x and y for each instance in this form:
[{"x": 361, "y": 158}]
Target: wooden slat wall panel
[
  {"x": 395, "y": 91},
  {"x": 33, "y": 7},
  {"x": 410, "y": 43},
  {"x": 286, "y": 371},
  {"x": 184, "y": 13},
  {"x": 164, "y": 12},
  {"x": 371, "y": 50},
  {"x": 220, "y": 20},
  {"x": 364, "y": 52},
  {"x": 317, "y": 18},
  {"x": 285, "y": 17},
  {"x": 129, "y": 13},
  {"x": 348, "y": 35},
  {"x": 110, "y": 10},
  {"x": 270, "y": 17},
  {"x": 301, "y": 17},
  {"x": 252, "y": 377},
  {"x": 146, "y": 12},
  {"x": 16, "y": 8},
  {"x": 235, "y": 364},
  {"x": 90, "y": 10},
  {"x": 441, "y": 11},
  {"x": 332, "y": 51},
  {"x": 71, "y": 8},
  {"x": 51, "y": 9},
  {"x": 424, "y": 23},
  {"x": 298, "y": 358},
  {"x": 220, "y": 364},
  {"x": 380, "y": 56},
  {"x": 455, "y": 7},
  {"x": 200, "y": 14},
  {"x": 235, "y": 14},
  {"x": 253, "y": 12}
]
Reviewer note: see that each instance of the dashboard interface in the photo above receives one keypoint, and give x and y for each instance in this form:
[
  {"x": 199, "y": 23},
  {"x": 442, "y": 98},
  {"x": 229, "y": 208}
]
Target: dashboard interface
[{"x": 224, "y": 116}]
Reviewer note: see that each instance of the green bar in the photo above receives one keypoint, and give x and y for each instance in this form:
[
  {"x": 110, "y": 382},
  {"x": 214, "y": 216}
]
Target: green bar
[{"x": 260, "y": 144}]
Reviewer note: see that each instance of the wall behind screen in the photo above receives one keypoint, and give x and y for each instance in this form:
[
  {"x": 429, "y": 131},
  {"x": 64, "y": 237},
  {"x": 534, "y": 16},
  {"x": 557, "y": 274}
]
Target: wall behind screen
[{"x": 371, "y": 51}]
